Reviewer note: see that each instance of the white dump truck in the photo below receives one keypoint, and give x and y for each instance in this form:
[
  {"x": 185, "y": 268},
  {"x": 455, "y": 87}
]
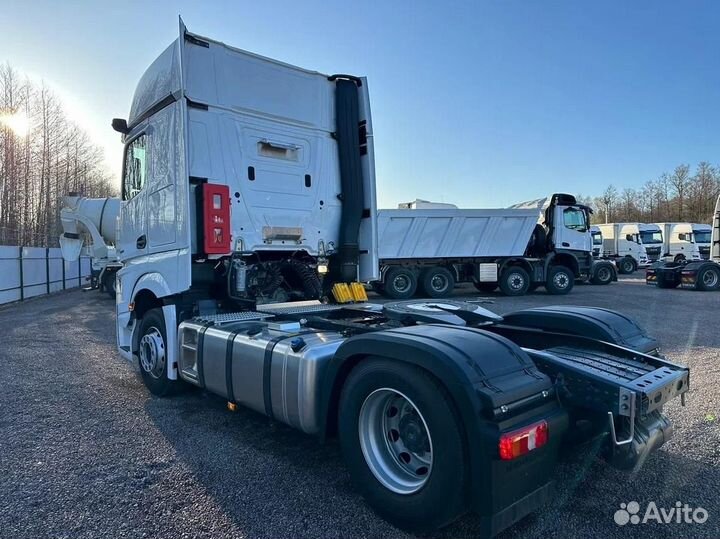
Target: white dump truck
[
  {"x": 696, "y": 274},
  {"x": 628, "y": 244},
  {"x": 92, "y": 223},
  {"x": 678, "y": 242},
  {"x": 702, "y": 234},
  {"x": 544, "y": 242},
  {"x": 247, "y": 180}
]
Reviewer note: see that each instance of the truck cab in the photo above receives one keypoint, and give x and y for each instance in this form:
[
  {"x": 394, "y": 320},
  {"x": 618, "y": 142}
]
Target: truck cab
[
  {"x": 679, "y": 242},
  {"x": 702, "y": 234}
]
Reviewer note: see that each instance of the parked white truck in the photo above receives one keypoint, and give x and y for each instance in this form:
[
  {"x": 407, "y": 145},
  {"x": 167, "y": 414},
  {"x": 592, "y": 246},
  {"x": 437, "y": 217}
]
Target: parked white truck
[
  {"x": 630, "y": 244},
  {"x": 597, "y": 241},
  {"x": 544, "y": 242},
  {"x": 245, "y": 180},
  {"x": 702, "y": 234},
  {"x": 94, "y": 220},
  {"x": 678, "y": 242},
  {"x": 697, "y": 274}
]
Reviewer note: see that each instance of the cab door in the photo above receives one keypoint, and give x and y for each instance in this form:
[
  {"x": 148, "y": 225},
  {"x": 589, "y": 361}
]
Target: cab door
[
  {"x": 132, "y": 240},
  {"x": 572, "y": 229}
]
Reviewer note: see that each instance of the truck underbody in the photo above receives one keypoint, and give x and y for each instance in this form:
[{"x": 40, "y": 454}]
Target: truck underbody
[{"x": 555, "y": 367}]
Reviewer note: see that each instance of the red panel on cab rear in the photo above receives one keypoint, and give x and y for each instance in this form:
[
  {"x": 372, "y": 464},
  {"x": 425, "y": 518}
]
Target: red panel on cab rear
[{"x": 216, "y": 219}]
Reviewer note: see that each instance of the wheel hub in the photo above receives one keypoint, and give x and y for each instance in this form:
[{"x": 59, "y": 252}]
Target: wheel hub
[
  {"x": 395, "y": 441},
  {"x": 402, "y": 283},
  {"x": 560, "y": 280},
  {"x": 152, "y": 352},
  {"x": 438, "y": 283},
  {"x": 516, "y": 281}
]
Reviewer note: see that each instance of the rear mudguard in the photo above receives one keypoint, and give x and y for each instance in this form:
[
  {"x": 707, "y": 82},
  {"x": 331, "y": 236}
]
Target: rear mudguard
[
  {"x": 486, "y": 375},
  {"x": 592, "y": 322}
]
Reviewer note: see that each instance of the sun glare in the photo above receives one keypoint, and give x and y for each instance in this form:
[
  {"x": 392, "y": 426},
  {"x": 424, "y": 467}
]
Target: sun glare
[{"x": 17, "y": 122}]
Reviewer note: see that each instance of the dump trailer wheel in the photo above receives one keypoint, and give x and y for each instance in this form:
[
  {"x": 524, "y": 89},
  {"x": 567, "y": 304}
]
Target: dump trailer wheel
[
  {"x": 437, "y": 282},
  {"x": 560, "y": 280},
  {"x": 708, "y": 279},
  {"x": 626, "y": 265},
  {"x": 485, "y": 286},
  {"x": 152, "y": 351},
  {"x": 402, "y": 441},
  {"x": 400, "y": 283},
  {"x": 602, "y": 275},
  {"x": 514, "y": 281}
]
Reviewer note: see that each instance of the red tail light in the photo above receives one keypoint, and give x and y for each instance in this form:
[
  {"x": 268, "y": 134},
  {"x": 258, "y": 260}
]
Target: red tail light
[{"x": 520, "y": 442}]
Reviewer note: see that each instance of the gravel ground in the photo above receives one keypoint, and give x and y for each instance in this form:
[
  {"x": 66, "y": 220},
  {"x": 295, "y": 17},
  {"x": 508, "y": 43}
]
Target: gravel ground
[{"x": 85, "y": 451}]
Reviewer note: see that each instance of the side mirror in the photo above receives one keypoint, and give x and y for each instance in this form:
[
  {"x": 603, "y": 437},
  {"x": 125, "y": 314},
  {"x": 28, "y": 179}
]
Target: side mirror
[{"x": 120, "y": 125}]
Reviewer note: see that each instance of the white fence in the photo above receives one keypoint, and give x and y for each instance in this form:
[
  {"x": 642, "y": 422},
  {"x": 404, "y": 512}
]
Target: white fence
[{"x": 26, "y": 272}]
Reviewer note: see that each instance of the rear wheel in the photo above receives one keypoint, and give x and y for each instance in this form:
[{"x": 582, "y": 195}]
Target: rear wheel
[
  {"x": 514, "y": 281},
  {"x": 402, "y": 442},
  {"x": 602, "y": 275},
  {"x": 708, "y": 278},
  {"x": 153, "y": 354},
  {"x": 400, "y": 283},
  {"x": 560, "y": 280},
  {"x": 626, "y": 265},
  {"x": 437, "y": 282}
]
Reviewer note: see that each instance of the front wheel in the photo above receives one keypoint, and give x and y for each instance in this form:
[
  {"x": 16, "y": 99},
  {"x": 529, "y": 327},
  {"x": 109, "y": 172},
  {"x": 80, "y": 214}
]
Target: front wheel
[
  {"x": 560, "y": 280},
  {"x": 626, "y": 265},
  {"x": 153, "y": 354},
  {"x": 401, "y": 440}
]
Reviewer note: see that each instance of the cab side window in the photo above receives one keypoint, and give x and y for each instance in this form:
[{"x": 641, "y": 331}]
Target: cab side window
[
  {"x": 135, "y": 167},
  {"x": 574, "y": 219}
]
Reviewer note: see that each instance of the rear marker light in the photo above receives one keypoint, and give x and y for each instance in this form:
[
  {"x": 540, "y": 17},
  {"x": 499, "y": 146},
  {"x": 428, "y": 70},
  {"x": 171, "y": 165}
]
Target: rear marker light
[{"x": 520, "y": 442}]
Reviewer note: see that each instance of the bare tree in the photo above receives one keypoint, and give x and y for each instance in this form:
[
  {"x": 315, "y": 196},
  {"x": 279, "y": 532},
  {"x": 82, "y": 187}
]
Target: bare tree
[{"x": 680, "y": 180}]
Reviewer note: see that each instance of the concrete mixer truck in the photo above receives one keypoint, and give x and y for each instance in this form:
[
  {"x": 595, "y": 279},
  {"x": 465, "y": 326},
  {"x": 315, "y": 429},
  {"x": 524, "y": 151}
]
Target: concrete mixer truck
[{"x": 92, "y": 220}]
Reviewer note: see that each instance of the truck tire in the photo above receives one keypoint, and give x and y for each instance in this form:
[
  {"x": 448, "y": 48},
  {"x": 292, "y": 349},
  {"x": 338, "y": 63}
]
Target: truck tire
[
  {"x": 437, "y": 282},
  {"x": 514, "y": 281},
  {"x": 108, "y": 283},
  {"x": 152, "y": 351},
  {"x": 626, "y": 265},
  {"x": 400, "y": 283},
  {"x": 708, "y": 278},
  {"x": 402, "y": 442},
  {"x": 602, "y": 275},
  {"x": 485, "y": 286},
  {"x": 679, "y": 258},
  {"x": 560, "y": 280}
]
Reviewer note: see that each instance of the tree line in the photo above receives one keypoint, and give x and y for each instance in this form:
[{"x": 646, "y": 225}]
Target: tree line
[
  {"x": 683, "y": 195},
  {"x": 43, "y": 156}
]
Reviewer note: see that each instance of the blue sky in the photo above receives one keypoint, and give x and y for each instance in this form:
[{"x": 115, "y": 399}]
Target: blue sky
[{"x": 478, "y": 103}]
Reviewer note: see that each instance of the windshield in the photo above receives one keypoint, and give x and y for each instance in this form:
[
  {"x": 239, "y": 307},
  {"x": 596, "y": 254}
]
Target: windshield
[
  {"x": 703, "y": 237},
  {"x": 648, "y": 237},
  {"x": 597, "y": 238},
  {"x": 575, "y": 219}
]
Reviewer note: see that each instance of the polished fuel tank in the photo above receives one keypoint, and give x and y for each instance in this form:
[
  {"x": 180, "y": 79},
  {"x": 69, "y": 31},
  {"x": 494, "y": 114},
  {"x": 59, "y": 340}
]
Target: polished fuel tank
[{"x": 273, "y": 368}]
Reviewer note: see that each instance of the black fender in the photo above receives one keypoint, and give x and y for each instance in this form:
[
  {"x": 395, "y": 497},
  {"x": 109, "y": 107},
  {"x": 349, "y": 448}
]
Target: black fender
[
  {"x": 481, "y": 371},
  {"x": 592, "y": 322}
]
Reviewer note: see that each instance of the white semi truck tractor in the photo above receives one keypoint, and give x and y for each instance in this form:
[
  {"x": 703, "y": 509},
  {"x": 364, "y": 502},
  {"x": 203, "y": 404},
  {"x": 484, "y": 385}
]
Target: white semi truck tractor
[
  {"x": 697, "y": 273},
  {"x": 546, "y": 242},
  {"x": 678, "y": 242},
  {"x": 93, "y": 220},
  {"x": 248, "y": 181},
  {"x": 628, "y": 244}
]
